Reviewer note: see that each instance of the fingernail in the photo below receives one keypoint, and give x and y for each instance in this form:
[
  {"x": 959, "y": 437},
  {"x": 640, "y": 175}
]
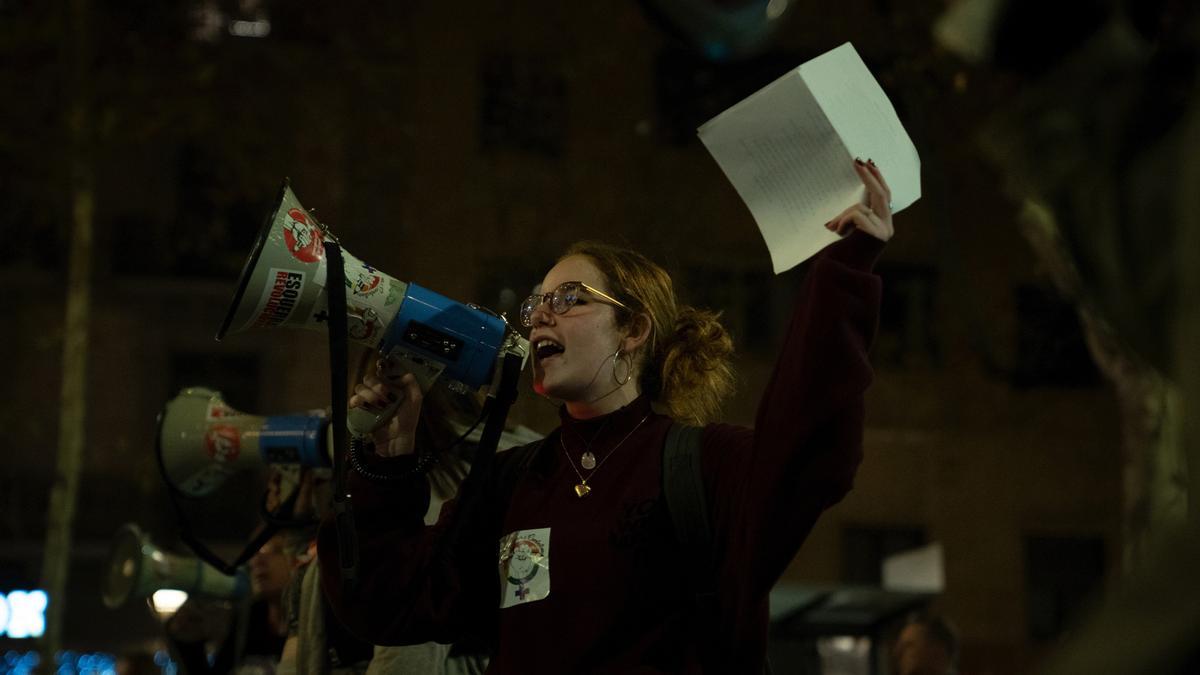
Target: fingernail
[
  {"x": 871, "y": 161},
  {"x": 858, "y": 161}
]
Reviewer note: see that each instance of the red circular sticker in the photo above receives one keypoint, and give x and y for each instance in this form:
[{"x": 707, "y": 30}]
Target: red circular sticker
[{"x": 304, "y": 240}]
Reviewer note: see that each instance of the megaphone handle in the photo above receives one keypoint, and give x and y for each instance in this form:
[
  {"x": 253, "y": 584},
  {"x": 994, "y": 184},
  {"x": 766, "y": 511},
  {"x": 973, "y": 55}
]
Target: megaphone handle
[{"x": 363, "y": 422}]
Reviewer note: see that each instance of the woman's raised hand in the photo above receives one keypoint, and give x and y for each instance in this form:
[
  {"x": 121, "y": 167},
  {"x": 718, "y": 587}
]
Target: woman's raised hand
[
  {"x": 874, "y": 214},
  {"x": 382, "y": 388}
]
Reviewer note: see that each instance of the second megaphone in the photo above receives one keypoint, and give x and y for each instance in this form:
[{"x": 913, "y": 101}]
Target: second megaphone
[
  {"x": 284, "y": 283},
  {"x": 202, "y": 441}
]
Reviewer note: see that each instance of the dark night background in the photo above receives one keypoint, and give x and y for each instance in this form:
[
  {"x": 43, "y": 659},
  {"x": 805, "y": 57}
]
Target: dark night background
[{"x": 463, "y": 146}]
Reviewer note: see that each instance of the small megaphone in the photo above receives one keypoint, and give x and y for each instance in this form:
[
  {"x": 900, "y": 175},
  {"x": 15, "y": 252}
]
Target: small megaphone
[
  {"x": 202, "y": 441},
  {"x": 284, "y": 283},
  {"x": 137, "y": 569}
]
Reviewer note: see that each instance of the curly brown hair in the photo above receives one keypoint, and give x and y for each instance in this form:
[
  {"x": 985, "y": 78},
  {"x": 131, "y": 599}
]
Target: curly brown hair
[{"x": 685, "y": 365}]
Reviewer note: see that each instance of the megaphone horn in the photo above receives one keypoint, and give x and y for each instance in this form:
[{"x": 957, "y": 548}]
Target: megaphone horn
[
  {"x": 284, "y": 284},
  {"x": 137, "y": 568},
  {"x": 202, "y": 441}
]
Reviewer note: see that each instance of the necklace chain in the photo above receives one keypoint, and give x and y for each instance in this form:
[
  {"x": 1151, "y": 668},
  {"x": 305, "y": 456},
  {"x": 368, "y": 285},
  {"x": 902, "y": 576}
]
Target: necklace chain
[
  {"x": 587, "y": 444},
  {"x": 582, "y": 489}
]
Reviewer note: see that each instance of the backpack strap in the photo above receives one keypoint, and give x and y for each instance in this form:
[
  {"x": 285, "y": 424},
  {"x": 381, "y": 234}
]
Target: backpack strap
[{"x": 683, "y": 488}]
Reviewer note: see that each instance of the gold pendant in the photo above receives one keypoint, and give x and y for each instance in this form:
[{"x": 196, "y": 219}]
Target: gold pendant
[{"x": 582, "y": 490}]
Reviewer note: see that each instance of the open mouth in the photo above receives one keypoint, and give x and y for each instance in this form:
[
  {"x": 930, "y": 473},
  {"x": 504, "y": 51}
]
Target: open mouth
[{"x": 546, "y": 348}]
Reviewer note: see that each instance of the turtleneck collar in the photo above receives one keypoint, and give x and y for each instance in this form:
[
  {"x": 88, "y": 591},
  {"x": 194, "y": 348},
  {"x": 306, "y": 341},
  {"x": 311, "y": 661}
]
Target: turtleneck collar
[{"x": 621, "y": 418}]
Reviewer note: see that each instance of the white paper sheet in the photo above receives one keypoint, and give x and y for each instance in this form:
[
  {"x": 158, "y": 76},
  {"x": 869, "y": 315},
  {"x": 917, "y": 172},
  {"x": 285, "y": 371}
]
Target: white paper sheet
[{"x": 789, "y": 148}]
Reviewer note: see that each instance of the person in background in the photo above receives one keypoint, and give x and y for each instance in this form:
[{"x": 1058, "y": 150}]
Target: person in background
[
  {"x": 926, "y": 645},
  {"x": 255, "y": 635},
  {"x": 318, "y": 644}
]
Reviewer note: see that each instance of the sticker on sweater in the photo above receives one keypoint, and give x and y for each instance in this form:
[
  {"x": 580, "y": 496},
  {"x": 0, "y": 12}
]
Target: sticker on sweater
[{"x": 524, "y": 566}]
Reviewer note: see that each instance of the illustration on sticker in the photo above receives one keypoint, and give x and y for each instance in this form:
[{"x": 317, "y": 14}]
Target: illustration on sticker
[
  {"x": 525, "y": 566},
  {"x": 223, "y": 443},
  {"x": 366, "y": 283},
  {"x": 362, "y": 323},
  {"x": 304, "y": 239}
]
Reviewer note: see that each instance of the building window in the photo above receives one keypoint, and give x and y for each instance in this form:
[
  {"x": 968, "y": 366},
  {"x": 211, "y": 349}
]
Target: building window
[
  {"x": 691, "y": 90},
  {"x": 865, "y": 548},
  {"x": 236, "y": 376},
  {"x": 1051, "y": 348},
  {"x": 523, "y": 106},
  {"x": 754, "y": 307},
  {"x": 907, "y": 327},
  {"x": 1061, "y": 576},
  {"x": 505, "y": 282},
  {"x": 214, "y": 228}
]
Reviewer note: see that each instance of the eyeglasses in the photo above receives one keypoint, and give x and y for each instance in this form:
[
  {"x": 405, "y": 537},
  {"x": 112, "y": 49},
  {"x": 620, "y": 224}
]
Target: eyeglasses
[{"x": 562, "y": 299}]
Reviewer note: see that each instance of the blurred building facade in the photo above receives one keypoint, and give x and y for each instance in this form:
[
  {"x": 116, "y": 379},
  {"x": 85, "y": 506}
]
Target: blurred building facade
[{"x": 464, "y": 148}]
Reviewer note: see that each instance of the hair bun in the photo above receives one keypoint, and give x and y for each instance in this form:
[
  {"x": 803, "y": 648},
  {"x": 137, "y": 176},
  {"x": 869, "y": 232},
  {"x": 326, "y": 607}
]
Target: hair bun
[{"x": 696, "y": 370}]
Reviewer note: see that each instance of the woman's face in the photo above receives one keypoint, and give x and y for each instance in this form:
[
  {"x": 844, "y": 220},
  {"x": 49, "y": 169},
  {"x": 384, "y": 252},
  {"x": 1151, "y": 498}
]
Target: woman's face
[
  {"x": 587, "y": 335},
  {"x": 270, "y": 570}
]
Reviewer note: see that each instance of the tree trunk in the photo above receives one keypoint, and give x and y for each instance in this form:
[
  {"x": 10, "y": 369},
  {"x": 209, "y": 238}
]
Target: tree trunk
[
  {"x": 1154, "y": 460},
  {"x": 73, "y": 397}
]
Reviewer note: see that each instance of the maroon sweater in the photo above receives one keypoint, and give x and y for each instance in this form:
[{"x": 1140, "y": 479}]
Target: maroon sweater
[{"x": 610, "y": 594}]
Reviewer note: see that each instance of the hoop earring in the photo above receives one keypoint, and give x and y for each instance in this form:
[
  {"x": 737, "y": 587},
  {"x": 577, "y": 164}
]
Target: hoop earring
[{"x": 622, "y": 356}]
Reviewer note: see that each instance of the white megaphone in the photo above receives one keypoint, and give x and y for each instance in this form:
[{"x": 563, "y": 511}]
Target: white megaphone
[
  {"x": 284, "y": 283},
  {"x": 137, "y": 569},
  {"x": 202, "y": 441}
]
